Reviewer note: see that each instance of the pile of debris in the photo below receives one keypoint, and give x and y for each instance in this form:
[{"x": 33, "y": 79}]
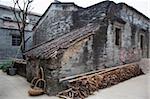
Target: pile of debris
[{"x": 82, "y": 87}]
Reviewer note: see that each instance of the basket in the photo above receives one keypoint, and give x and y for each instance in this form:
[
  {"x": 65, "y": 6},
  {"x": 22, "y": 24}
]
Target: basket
[{"x": 35, "y": 91}]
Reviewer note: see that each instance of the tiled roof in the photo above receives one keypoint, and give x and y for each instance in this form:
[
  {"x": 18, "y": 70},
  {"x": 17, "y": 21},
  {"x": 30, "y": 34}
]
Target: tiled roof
[{"x": 51, "y": 48}]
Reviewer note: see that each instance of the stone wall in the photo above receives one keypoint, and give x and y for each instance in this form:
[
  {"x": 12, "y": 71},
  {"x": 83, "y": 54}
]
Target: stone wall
[
  {"x": 85, "y": 55},
  {"x": 77, "y": 58},
  {"x": 62, "y": 18},
  {"x": 133, "y": 17},
  {"x": 139, "y": 24},
  {"x": 92, "y": 14},
  {"x": 32, "y": 68},
  {"x": 124, "y": 53},
  {"x": 135, "y": 25},
  {"x": 53, "y": 26},
  {"x": 56, "y": 22}
]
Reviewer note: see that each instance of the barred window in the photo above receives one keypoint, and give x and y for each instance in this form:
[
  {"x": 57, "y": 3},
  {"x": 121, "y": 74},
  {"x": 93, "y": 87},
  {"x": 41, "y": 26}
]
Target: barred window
[{"x": 16, "y": 40}]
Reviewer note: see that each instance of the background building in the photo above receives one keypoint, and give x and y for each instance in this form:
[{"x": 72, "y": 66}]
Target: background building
[{"x": 9, "y": 34}]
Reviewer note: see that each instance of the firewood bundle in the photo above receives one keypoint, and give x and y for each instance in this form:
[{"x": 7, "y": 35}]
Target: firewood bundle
[{"x": 84, "y": 86}]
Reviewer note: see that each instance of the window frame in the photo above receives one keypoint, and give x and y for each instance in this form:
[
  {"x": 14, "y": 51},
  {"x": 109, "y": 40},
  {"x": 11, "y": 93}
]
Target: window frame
[
  {"x": 141, "y": 39},
  {"x": 118, "y": 37},
  {"x": 119, "y": 26},
  {"x": 16, "y": 40}
]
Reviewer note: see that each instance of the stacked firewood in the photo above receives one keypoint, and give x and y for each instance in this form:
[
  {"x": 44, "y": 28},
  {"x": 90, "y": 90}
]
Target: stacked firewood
[{"x": 82, "y": 87}]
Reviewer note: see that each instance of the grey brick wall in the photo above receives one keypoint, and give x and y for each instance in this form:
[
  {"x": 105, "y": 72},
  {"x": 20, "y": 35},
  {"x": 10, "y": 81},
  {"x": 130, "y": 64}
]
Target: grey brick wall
[{"x": 6, "y": 48}]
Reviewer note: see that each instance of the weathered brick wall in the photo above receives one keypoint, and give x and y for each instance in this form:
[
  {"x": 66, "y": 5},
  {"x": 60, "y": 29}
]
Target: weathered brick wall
[
  {"x": 92, "y": 14},
  {"x": 32, "y": 69},
  {"x": 133, "y": 17},
  {"x": 53, "y": 26},
  {"x": 126, "y": 52},
  {"x": 77, "y": 58},
  {"x": 129, "y": 51},
  {"x": 63, "y": 18},
  {"x": 80, "y": 57},
  {"x": 139, "y": 25},
  {"x": 56, "y": 22}
]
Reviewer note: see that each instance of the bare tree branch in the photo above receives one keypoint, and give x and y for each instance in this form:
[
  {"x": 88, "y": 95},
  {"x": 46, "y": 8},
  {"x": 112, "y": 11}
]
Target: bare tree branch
[
  {"x": 18, "y": 5},
  {"x": 19, "y": 14},
  {"x": 15, "y": 14},
  {"x": 21, "y": 18}
]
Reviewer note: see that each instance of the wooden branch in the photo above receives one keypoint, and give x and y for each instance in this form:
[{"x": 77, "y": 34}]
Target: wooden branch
[
  {"x": 27, "y": 38},
  {"x": 14, "y": 11},
  {"x": 17, "y": 2},
  {"x": 24, "y": 5},
  {"x": 80, "y": 75},
  {"x": 84, "y": 86},
  {"x": 19, "y": 14}
]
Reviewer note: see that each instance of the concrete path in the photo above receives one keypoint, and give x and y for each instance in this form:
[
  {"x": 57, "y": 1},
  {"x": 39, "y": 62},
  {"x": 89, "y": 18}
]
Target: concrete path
[{"x": 16, "y": 87}]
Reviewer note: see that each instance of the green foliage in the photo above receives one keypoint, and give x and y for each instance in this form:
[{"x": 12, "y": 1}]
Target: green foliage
[{"x": 6, "y": 64}]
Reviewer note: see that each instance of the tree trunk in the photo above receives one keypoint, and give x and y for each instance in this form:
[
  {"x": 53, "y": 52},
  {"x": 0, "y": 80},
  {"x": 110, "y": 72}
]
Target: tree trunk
[{"x": 23, "y": 44}]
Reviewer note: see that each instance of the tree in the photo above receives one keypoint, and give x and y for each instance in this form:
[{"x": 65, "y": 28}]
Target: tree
[{"x": 21, "y": 9}]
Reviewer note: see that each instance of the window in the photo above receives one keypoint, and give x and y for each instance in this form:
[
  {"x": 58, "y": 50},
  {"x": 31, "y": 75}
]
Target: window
[
  {"x": 141, "y": 43},
  {"x": 16, "y": 40},
  {"x": 118, "y": 36}
]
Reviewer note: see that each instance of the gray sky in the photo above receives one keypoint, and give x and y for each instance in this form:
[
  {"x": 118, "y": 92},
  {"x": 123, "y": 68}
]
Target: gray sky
[{"x": 40, "y": 6}]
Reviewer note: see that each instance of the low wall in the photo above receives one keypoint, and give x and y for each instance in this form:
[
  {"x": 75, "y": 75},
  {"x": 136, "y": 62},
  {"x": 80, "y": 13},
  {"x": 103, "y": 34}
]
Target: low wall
[
  {"x": 21, "y": 69},
  {"x": 20, "y": 65}
]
